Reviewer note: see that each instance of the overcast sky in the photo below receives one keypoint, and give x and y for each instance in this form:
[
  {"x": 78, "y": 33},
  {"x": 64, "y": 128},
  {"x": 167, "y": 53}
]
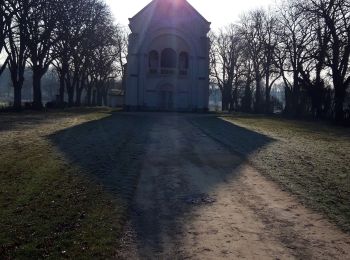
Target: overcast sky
[{"x": 218, "y": 12}]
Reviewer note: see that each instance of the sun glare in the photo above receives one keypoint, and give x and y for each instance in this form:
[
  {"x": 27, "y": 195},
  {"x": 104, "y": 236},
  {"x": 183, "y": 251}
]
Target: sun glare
[{"x": 219, "y": 12}]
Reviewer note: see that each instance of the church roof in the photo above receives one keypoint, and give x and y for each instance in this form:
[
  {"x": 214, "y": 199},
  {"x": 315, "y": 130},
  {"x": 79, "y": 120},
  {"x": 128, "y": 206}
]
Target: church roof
[{"x": 174, "y": 5}]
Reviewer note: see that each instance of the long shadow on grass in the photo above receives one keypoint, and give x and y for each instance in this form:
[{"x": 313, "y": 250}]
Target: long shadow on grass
[
  {"x": 109, "y": 150},
  {"x": 115, "y": 150}
]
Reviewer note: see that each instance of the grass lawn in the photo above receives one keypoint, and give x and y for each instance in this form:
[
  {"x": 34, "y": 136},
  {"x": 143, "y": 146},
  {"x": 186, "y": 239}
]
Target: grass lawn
[
  {"x": 67, "y": 177},
  {"x": 310, "y": 159},
  {"x": 61, "y": 194}
]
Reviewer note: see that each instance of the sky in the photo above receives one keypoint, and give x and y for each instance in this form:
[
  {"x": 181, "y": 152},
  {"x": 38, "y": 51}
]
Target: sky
[{"x": 219, "y": 12}]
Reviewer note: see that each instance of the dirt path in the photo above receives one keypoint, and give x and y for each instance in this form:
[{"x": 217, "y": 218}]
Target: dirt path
[{"x": 198, "y": 200}]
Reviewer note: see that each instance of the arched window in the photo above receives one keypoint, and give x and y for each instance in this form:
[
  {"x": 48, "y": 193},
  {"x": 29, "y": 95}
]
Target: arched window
[
  {"x": 183, "y": 61},
  {"x": 169, "y": 59},
  {"x": 153, "y": 62}
]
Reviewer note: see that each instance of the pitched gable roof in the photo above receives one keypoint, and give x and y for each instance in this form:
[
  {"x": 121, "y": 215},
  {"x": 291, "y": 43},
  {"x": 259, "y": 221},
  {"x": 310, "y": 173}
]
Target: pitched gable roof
[
  {"x": 164, "y": 4},
  {"x": 199, "y": 14},
  {"x": 152, "y": 3}
]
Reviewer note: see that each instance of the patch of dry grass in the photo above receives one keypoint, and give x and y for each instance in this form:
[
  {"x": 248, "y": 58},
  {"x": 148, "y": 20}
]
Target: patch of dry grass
[
  {"x": 311, "y": 159},
  {"x": 50, "y": 204}
]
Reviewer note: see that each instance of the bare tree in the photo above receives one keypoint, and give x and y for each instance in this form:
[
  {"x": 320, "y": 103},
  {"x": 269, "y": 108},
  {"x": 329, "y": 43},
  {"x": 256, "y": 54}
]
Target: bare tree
[
  {"x": 122, "y": 49},
  {"x": 247, "y": 96},
  {"x": 72, "y": 35},
  {"x": 69, "y": 33},
  {"x": 252, "y": 32},
  {"x": 294, "y": 37},
  {"x": 313, "y": 73},
  {"x": 226, "y": 52},
  {"x": 270, "y": 42},
  {"x": 5, "y": 17},
  {"x": 336, "y": 17},
  {"x": 15, "y": 45},
  {"x": 305, "y": 43},
  {"x": 105, "y": 61},
  {"x": 85, "y": 27},
  {"x": 40, "y": 28}
]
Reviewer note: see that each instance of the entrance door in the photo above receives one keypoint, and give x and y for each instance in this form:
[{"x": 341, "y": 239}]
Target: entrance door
[
  {"x": 166, "y": 97},
  {"x": 166, "y": 100}
]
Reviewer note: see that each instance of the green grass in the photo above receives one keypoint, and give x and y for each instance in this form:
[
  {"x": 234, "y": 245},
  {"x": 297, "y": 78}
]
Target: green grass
[
  {"x": 51, "y": 206},
  {"x": 310, "y": 159}
]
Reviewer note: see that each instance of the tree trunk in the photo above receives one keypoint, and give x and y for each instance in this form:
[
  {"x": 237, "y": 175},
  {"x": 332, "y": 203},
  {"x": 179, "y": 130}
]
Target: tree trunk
[
  {"x": 62, "y": 90},
  {"x": 339, "y": 104},
  {"x": 317, "y": 97},
  {"x": 234, "y": 102},
  {"x": 80, "y": 89},
  {"x": 17, "y": 101},
  {"x": 71, "y": 83},
  {"x": 94, "y": 98},
  {"x": 257, "y": 106},
  {"x": 267, "y": 94},
  {"x": 247, "y": 99},
  {"x": 37, "y": 95},
  {"x": 295, "y": 107},
  {"x": 77, "y": 94},
  {"x": 225, "y": 104},
  {"x": 63, "y": 83},
  {"x": 226, "y": 98},
  {"x": 17, "y": 83},
  {"x": 268, "y": 106},
  {"x": 78, "y": 97},
  {"x": 99, "y": 97},
  {"x": 70, "y": 92},
  {"x": 288, "y": 110},
  {"x": 89, "y": 95},
  {"x": 105, "y": 98}
]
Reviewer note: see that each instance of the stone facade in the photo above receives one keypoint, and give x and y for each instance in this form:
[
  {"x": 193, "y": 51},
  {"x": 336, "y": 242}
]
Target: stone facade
[{"x": 168, "y": 60}]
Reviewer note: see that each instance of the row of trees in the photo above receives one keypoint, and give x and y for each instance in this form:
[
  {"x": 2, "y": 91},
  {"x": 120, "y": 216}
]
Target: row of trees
[
  {"x": 303, "y": 45},
  {"x": 76, "y": 37}
]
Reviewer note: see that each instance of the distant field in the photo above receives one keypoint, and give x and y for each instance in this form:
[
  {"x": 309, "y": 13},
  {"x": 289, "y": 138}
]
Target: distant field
[
  {"x": 63, "y": 194},
  {"x": 310, "y": 159}
]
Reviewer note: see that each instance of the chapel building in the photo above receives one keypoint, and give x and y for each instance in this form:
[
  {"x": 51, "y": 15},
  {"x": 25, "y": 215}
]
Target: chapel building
[{"x": 168, "y": 58}]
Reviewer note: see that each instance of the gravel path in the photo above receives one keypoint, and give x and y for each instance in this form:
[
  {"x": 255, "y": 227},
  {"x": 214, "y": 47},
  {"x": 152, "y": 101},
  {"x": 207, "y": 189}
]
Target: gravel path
[{"x": 197, "y": 199}]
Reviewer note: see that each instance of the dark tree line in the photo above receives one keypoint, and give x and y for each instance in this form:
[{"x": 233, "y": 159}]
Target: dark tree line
[
  {"x": 303, "y": 45},
  {"x": 76, "y": 37}
]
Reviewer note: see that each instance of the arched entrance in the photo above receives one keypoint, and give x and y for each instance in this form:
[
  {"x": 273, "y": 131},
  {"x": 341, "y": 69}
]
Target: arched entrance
[{"x": 166, "y": 97}]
